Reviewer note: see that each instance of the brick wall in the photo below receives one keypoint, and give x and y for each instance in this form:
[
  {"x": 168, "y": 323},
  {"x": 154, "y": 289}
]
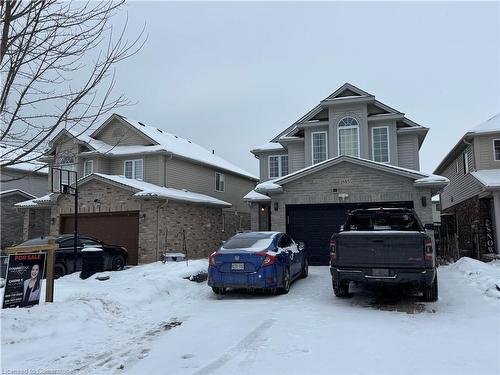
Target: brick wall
[
  {"x": 365, "y": 185},
  {"x": 162, "y": 223}
]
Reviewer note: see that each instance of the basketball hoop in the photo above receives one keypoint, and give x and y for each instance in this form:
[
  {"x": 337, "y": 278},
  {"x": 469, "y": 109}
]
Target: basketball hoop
[{"x": 63, "y": 181}]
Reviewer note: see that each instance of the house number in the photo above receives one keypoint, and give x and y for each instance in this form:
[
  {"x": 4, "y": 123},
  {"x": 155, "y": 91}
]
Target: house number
[{"x": 343, "y": 181}]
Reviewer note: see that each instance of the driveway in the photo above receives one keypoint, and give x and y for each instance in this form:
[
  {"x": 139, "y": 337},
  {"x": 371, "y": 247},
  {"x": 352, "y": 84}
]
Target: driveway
[{"x": 148, "y": 320}]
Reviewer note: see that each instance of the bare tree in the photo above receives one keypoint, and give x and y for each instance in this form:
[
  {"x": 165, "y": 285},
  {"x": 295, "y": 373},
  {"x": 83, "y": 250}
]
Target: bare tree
[{"x": 57, "y": 64}]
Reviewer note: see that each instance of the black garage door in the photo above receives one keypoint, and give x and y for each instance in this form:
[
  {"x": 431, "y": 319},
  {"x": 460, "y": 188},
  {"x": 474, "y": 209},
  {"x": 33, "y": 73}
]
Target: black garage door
[{"x": 314, "y": 224}]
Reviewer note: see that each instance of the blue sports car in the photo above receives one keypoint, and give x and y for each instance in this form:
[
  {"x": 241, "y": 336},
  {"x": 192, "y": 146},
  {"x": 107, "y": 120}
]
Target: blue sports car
[{"x": 257, "y": 260}]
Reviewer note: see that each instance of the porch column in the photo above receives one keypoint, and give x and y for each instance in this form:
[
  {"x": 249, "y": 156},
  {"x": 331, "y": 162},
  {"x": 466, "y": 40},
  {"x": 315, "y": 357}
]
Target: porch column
[{"x": 496, "y": 205}]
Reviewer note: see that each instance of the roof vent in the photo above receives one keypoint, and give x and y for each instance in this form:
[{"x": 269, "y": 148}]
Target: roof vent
[
  {"x": 189, "y": 141},
  {"x": 213, "y": 152},
  {"x": 161, "y": 131},
  {"x": 140, "y": 123},
  {"x": 176, "y": 136}
]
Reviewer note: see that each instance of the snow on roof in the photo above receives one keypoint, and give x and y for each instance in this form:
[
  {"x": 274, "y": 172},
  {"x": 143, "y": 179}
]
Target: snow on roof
[
  {"x": 421, "y": 178},
  {"x": 436, "y": 199},
  {"x": 150, "y": 190},
  {"x": 254, "y": 196},
  {"x": 488, "y": 177},
  {"x": 37, "y": 202},
  {"x": 270, "y": 146},
  {"x": 491, "y": 125},
  {"x": 185, "y": 148},
  {"x": 5, "y": 192},
  {"x": 25, "y": 163}
]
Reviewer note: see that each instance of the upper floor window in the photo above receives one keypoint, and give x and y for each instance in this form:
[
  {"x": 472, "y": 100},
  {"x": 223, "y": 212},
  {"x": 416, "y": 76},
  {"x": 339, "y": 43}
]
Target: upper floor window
[
  {"x": 380, "y": 144},
  {"x": 466, "y": 162},
  {"x": 134, "y": 169},
  {"x": 348, "y": 136},
  {"x": 219, "y": 182},
  {"x": 88, "y": 167},
  {"x": 278, "y": 166},
  {"x": 496, "y": 149},
  {"x": 319, "y": 147}
]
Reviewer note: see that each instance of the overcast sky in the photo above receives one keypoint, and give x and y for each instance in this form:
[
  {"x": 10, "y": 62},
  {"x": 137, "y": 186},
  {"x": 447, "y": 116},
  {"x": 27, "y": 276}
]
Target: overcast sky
[{"x": 230, "y": 76}]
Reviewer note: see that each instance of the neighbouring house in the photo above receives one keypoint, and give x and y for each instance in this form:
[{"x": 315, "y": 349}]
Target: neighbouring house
[
  {"x": 350, "y": 151},
  {"x": 145, "y": 189},
  {"x": 26, "y": 179},
  {"x": 470, "y": 216}
]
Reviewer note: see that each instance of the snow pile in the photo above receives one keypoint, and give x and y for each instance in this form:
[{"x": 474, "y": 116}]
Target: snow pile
[
  {"x": 86, "y": 309},
  {"x": 485, "y": 276}
]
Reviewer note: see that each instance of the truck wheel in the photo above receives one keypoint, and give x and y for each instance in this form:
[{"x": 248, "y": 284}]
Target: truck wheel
[
  {"x": 341, "y": 289},
  {"x": 305, "y": 269},
  {"x": 286, "y": 282},
  {"x": 430, "y": 292},
  {"x": 217, "y": 290}
]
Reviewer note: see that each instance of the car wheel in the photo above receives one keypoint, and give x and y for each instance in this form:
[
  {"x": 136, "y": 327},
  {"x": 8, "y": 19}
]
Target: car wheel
[
  {"x": 59, "y": 270},
  {"x": 430, "y": 292},
  {"x": 217, "y": 290},
  {"x": 117, "y": 263},
  {"x": 305, "y": 269},
  {"x": 286, "y": 281},
  {"x": 341, "y": 289}
]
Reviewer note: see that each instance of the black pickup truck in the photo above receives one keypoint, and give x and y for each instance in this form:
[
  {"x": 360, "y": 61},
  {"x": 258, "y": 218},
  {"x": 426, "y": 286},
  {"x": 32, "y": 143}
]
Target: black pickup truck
[{"x": 384, "y": 246}]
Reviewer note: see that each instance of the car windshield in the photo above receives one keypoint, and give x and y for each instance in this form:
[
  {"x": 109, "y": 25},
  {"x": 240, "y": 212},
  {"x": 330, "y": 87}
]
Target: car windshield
[
  {"x": 249, "y": 242},
  {"x": 381, "y": 222},
  {"x": 37, "y": 241}
]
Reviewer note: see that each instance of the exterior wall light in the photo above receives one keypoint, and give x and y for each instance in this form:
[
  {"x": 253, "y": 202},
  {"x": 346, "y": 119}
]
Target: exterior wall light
[{"x": 275, "y": 206}]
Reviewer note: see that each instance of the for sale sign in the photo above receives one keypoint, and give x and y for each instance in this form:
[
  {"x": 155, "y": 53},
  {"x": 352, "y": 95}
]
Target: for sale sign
[{"x": 24, "y": 280}]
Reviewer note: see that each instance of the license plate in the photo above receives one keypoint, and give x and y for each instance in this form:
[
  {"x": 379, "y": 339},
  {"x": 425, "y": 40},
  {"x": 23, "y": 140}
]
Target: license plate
[
  {"x": 380, "y": 272},
  {"x": 238, "y": 266}
]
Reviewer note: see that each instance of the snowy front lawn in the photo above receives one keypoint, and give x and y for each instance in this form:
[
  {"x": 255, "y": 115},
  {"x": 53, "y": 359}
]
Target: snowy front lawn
[{"x": 151, "y": 320}]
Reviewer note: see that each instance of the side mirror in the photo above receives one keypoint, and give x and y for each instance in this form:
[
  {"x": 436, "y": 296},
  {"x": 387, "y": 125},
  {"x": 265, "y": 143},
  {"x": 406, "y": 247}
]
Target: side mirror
[{"x": 301, "y": 246}]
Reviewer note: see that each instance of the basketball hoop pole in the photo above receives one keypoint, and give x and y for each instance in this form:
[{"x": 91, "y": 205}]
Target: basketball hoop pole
[{"x": 75, "y": 240}]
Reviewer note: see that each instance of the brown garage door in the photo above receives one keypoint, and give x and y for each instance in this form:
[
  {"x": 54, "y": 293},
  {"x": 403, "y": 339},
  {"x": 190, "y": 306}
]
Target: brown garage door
[{"x": 114, "y": 228}]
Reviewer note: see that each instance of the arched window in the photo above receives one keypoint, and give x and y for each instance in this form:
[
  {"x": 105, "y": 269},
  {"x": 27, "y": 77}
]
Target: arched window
[
  {"x": 348, "y": 136},
  {"x": 66, "y": 162}
]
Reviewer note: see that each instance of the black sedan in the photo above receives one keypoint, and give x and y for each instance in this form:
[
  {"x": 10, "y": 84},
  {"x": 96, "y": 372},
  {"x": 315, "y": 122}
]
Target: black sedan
[{"x": 115, "y": 257}]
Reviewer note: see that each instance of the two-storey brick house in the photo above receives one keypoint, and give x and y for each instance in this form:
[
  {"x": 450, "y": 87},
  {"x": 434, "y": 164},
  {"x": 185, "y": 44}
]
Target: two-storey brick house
[
  {"x": 471, "y": 202},
  {"x": 349, "y": 151},
  {"x": 145, "y": 189}
]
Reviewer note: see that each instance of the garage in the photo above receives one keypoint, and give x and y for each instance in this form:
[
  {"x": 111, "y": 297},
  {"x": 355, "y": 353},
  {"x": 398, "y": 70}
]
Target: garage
[
  {"x": 314, "y": 224},
  {"x": 116, "y": 228}
]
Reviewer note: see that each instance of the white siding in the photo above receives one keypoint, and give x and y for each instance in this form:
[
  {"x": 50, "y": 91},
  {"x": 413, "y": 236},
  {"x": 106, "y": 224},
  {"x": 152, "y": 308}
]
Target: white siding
[{"x": 408, "y": 151}]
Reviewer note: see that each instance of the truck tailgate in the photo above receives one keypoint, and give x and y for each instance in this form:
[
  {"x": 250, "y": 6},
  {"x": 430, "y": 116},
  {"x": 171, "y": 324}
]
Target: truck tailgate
[{"x": 380, "y": 249}]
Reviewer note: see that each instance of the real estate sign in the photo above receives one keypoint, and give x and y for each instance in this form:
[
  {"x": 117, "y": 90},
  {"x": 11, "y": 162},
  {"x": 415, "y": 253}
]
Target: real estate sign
[{"x": 24, "y": 280}]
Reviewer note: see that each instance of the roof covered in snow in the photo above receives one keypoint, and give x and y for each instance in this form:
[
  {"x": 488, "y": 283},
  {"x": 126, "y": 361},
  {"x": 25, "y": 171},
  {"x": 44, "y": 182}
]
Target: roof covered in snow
[
  {"x": 147, "y": 190},
  {"x": 491, "y": 125},
  {"x": 26, "y": 163},
  {"x": 254, "y": 196},
  {"x": 420, "y": 178},
  {"x": 489, "y": 178},
  {"x": 270, "y": 146},
  {"x": 16, "y": 191},
  {"x": 38, "y": 202}
]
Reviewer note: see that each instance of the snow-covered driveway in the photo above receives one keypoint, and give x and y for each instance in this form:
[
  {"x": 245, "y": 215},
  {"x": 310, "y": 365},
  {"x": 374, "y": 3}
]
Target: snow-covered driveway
[{"x": 162, "y": 324}]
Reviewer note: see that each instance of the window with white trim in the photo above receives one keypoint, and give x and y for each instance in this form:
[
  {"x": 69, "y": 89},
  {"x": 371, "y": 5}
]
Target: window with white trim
[
  {"x": 466, "y": 162},
  {"x": 88, "y": 167},
  {"x": 278, "y": 166},
  {"x": 219, "y": 182},
  {"x": 348, "y": 136},
  {"x": 380, "y": 144},
  {"x": 496, "y": 149},
  {"x": 134, "y": 169},
  {"x": 319, "y": 147}
]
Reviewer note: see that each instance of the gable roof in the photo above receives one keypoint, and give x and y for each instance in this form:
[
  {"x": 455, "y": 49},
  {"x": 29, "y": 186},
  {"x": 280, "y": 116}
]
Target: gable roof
[
  {"x": 6, "y": 193},
  {"x": 420, "y": 179},
  {"x": 162, "y": 141},
  {"x": 346, "y": 92},
  {"x": 490, "y": 126},
  {"x": 146, "y": 190}
]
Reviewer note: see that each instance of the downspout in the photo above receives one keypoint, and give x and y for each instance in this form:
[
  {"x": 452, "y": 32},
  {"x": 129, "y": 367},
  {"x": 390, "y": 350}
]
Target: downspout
[
  {"x": 158, "y": 229},
  {"x": 473, "y": 154}
]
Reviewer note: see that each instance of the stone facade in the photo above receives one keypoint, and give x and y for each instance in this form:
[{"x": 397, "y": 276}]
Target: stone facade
[
  {"x": 163, "y": 224},
  {"x": 365, "y": 185},
  {"x": 468, "y": 229}
]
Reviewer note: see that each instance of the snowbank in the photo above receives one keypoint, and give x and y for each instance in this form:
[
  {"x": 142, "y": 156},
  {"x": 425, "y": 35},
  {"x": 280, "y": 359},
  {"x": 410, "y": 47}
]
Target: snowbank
[
  {"x": 90, "y": 307},
  {"x": 485, "y": 276}
]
